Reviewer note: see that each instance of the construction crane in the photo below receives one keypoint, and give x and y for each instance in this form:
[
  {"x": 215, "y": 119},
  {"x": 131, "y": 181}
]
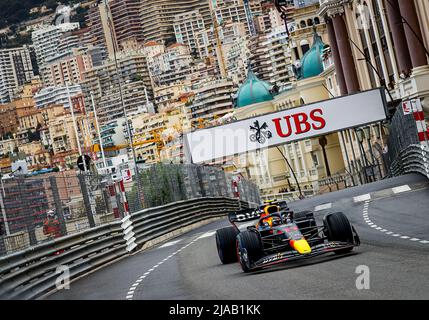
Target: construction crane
[
  {"x": 219, "y": 51},
  {"x": 156, "y": 139}
]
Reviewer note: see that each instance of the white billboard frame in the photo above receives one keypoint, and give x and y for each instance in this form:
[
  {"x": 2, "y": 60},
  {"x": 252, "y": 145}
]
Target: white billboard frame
[{"x": 368, "y": 106}]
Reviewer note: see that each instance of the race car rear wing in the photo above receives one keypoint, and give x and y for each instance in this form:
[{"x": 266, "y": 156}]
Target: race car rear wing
[{"x": 244, "y": 215}]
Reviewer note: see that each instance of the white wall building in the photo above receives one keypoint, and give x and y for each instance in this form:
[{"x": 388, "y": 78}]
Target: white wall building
[
  {"x": 46, "y": 40},
  {"x": 56, "y": 95},
  {"x": 186, "y": 26}
]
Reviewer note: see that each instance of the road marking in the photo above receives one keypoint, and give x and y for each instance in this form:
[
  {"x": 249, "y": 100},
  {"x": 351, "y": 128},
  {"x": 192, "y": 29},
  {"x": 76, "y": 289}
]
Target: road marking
[
  {"x": 132, "y": 289},
  {"x": 401, "y": 189},
  {"x": 171, "y": 243},
  {"x": 207, "y": 234},
  {"x": 362, "y": 198},
  {"x": 387, "y": 232},
  {"x": 323, "y": 207}
]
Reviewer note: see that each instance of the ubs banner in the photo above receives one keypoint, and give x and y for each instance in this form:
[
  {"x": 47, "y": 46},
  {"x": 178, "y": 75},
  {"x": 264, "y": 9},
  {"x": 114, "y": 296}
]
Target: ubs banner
[{"x": 285, "y": 126}]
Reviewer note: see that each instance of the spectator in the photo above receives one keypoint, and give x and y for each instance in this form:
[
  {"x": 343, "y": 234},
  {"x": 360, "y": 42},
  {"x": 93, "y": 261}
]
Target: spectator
[{"x": 51, "y": 226}]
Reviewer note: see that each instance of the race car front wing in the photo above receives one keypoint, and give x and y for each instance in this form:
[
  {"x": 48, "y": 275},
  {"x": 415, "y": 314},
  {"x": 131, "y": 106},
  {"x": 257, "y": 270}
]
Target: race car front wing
[{"x": 291, "y": 255}]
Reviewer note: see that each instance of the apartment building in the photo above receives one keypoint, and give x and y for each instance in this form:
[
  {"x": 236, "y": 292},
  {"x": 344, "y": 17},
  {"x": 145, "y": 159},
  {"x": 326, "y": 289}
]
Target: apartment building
[
  {"x": 169, "y": 96},
  {"x": 68, "y": 67},
  {"x": 213, "y": 99},
  {"x": 8, "y": 119},
  {"x": 271, "y": 57},
  {"x": 59, "y": 95},
  {"x": 126, "y": 21},
  {"x": 158, "y": 16},
  {"x": 99, "y": 33},
  {"x": 103, "y": 82},
  {"x": 16, "y": 69},
  {"x": 62, "y": 134},
  {"x": 47, "y": 39},
  {"x": 186, "y": 26},
  {"x": 172, "y": 66},
  {"x": 135, "y": 99}
]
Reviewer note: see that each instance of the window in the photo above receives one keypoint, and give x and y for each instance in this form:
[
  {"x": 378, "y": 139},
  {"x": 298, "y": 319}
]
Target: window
[{"x": 315, "y": 159}]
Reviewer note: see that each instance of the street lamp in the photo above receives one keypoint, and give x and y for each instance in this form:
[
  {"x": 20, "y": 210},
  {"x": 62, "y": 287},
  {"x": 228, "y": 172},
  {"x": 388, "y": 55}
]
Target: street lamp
[
  {"x": 367, "y": 131},
  {"x": 301, "y": 195},
  {"x": 323, "y": 143},
  {"x": 360, "y": 136}
]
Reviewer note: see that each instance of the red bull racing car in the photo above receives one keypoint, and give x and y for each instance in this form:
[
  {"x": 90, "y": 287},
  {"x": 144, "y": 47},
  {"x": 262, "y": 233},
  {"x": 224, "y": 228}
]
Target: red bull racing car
[{"x": 281, "y": 235}]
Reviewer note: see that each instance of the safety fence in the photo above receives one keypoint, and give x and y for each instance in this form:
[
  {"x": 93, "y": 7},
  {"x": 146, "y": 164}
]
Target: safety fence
[
  {"x": 413, "y": 159},
  {"x": 35, "y": 271},
  {"x": 408, "y": 149},
  {"x": 36, "y": 209}
]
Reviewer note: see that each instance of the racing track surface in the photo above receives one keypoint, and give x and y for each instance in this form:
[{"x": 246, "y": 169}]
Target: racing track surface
[{"x": 394, "y": 231}]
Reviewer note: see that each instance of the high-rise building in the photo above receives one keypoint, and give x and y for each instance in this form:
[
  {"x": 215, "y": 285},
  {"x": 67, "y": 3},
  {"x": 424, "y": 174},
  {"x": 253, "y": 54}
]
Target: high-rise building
[
  {"x": 171, "y": 66},
  {"x": 66, "y": 68},
  {"x": 158, "y": 16},
  {"x": 59, "y": 95},
  {"x": 48, "y": 41},
  {"x": 103, "y": 82},
  {"x": 235, "y": 11},
  {"x": 213, "y": 99},
  {"x": 126, "y": 20},
  {"x": 186, "y": 26},
  {"x": 271, "y": 57},
  {"x": 98, "y": 28},
  {"x": 16, "y": 69}
]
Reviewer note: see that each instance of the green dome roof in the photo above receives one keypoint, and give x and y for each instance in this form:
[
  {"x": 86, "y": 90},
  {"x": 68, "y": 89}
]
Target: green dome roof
[
  {"x": 312, "y": 64},
  {"x": 253, "y": 90}
]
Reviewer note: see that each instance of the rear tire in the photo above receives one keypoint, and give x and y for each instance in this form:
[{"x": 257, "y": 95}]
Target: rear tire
[
  {"x": 249, "y": 249},
  {"x": 225, "y": 243},
  {"x": 338, "y": 228}
]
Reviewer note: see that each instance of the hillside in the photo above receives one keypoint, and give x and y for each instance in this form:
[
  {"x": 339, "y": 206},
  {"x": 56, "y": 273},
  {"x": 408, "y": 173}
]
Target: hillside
[{"x": 13, "y": 12}]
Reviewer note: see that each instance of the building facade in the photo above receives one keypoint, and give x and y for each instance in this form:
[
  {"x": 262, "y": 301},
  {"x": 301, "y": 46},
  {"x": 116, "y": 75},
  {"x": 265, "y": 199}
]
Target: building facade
[
  {"x": 382, "y": 51},
  {"x": 16, "y": 69}
]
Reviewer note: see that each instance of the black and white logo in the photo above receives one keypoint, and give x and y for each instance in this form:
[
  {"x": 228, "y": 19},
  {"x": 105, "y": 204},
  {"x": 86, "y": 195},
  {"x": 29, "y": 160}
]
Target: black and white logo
[{"x": 261, "y": 132}]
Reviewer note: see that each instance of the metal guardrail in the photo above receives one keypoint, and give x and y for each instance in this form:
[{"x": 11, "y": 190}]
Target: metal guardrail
[
  {"x": 30, "y": 273},
  {"x": 413, "y": 159}
]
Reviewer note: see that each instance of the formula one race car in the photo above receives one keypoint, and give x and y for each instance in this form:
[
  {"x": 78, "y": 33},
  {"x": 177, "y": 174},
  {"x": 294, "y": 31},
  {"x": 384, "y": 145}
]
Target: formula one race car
[{"x": 281, "y": 235}]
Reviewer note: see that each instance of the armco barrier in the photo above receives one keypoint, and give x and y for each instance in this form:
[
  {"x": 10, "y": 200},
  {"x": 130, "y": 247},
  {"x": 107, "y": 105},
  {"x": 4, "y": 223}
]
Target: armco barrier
[
  {"x": 413, "y": 159},
  {"x": 30, "y": 273}
]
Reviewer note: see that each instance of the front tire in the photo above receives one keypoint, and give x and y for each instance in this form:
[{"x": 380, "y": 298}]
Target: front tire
[
  {"x": 338, "y": 228},
  {"x": 225, "y": 243},
  {"x": 249, "y": 249}
]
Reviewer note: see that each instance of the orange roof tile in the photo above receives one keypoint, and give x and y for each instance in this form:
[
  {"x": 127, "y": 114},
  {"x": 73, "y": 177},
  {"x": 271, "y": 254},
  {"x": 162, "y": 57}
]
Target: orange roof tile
[{"x": 152, "y": 43}]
